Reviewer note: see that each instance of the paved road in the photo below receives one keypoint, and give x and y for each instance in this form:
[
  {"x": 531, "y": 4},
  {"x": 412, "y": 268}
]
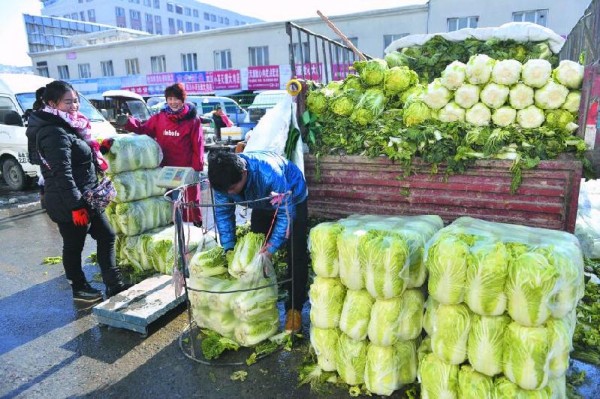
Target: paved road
[{"x": 52, "y": 348}]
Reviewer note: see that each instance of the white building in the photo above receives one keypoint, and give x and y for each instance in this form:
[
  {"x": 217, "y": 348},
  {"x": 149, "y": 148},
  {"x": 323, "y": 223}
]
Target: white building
[{"x": 236, "y": 58}]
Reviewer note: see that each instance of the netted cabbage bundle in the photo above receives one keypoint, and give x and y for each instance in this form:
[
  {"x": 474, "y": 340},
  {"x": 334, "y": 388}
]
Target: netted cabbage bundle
[
  {"x": 450, "y": 335},
  {"x": 388, "y": 368},
  {"x": 350, "y": 268},
  {"x": 356, "y": 313},
  {"x": 322, "y": 244},
  {"x": 326, "y": 297},
  {"x": 137, "y": 184},
  {"x": 208, "y": 263},
  {"x": 245, "y": 264},
  {"x": 485, "y": 346},
  {"x": 438, "y": 379},
  {"x": 473, "y": 385},
  {"x": 132, "y": 152},
  {"x": 136, "y": 217}
]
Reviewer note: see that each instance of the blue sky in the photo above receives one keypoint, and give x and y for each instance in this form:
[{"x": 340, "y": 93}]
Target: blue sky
[{"x": 14, "y": 42}]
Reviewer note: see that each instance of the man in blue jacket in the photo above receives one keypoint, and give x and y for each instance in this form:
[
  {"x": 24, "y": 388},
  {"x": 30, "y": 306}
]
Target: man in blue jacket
[{"x": 253, "y": 176}]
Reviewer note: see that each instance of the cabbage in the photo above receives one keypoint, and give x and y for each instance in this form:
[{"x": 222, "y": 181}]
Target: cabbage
[
  {"x": 137, "y": 217},
  {"x": 486, "y": 275},
  {"x": 407, "y": 353},
  {"x": 252, "y": 306},
  {"x": 133, "y": 152},
  {"x": 506, "y": 72},
  {"x": 222, "y": 322},
  {"x": 494, "y": 95},
  {"x": 323, "y": 248},
  {"x": 351, "y": 268},
  {"x": 520, "y": 96},
  {"x": 486, "y": 343},
  {"x": 430, "y": 316},
  {"x": 560, "y": 344},
  {"x": 551, "y": 96},
  {"x": 412, "y": 94},
  {"x": 479, "y": 69},
  {"x": 371, "y": 72},
  {"x": 316, "y": 102},
  {"x": 504, "y": 116},
  {"x": 250, "y": 334},
  {"x": 478, "y": 115},
  {"x": 530, "y": 286},
  {"x": 526, "y": 355},
  {"x": 342, "y": 105},
  {"x": 410, "y": 319},
  {"x": 436, "y": 95},
  {"x": 382, "y": 369},
  {"x": 424, "y": 348},
  {"x": 439, "y": 380},
  {"x": 137, "y": 184},
  {"x": 451, "y": 112},
  {"x": 453, "y": 76},
  {"x": 245, "y": 251},
  {"x": 451, "y": 333},
  {"x": 385, "y": 318},
  {"x": 350, "y": 359},
  {"x": 506, "y": 389},
  {"x": 352, "y": 84},
  {"x": 531, "y": 117},
  {"x": 467, "y": 95},
  {"x": 536, "y": 72},
  {"x": 572, "y": 102},
  {"x": 326, "y": 300},
  {"x": 208, "y": 263},
  {"x": 417, "y": 112},
  {"x": 447, "y": 265},
  {"x": 399, "y": 79},
  {"x": 559, "y": 119},
  {"x": 473, "y": 385},
  {"x": 386, "y": 264},
  {"x": 569, "y": 74},
  {"x": 324, "y": 341},
  {"x": 570, "y": 285},
  {"x": 370, "y": 105},
  {"x": 356, "y": 313},
  {"x": 557, "y": 387}
]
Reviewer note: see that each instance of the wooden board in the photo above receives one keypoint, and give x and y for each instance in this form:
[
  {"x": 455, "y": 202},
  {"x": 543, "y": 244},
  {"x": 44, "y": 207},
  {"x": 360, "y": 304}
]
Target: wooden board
[
  {"x": 140, "y": 305},
  {"x": 342, "y": 185}
]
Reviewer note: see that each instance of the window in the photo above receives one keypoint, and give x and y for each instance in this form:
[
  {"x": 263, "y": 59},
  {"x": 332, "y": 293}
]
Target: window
[
  {"x": 179, "y": 25},
  {"x": 226, "y": 21},
  {"x": 149, "y": 23},
  {"x": 206, "y": 16},
  {"x": 462, "y": 22},
  {"x": 42, "y": 68},
  {"x": 84, "y": 71},
  {"x": 132, "y": 66},
  {"x": 258, "y": 56},
  {"x": 170, "y": 7},
  {"x": 148, "y": 3},
  {"x": 189, "y": 62},
  {"x": 536, "y": 16},
  {"x": 107, "y": 68},
  {"x": 74, "y": 16},
  {"x": 134, "y": 14},
  {"x": 195, "y": 13},
  {"x": 158, "y": 64},
  {"x": 220, "y": 20},
  {"x": 301, "y": 56},
  {"x": 158, "y": 24},
  {"x": 178, "y": 9},
  {"x": 213, "y": 17},
  {"x": 157, "y": 4},
  {"x": 82, "y": 15},
  {"x": 119, "y": 11},
  {"x": 341, "y": 56},
  {"x": 222, "y": 59},
  {"x": 187, "y": 11},
  {"x": 92, "y": 15},
  {"x": 171, "y": 26},
  {"x": 196, "y": 27},
  {"x": 388, "y": 39},
  {"x": 188, "y": 27},
  {"x": 63, "y": 72}
]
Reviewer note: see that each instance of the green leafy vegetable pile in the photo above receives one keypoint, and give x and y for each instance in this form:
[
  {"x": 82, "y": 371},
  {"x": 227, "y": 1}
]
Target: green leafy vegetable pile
[{"x": 586, "y": 340}]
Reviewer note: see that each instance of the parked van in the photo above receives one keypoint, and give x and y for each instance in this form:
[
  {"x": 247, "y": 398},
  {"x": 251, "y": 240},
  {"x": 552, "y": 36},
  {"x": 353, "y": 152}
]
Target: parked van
[
  {"x": 263, "y": 101},
  {"x": 17, "y": 95},
  {"x": 113, "y": 103}
]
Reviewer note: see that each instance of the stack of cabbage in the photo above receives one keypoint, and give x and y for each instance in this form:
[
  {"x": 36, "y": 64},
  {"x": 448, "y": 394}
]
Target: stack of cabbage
[
  {"x": 225, "y": 293},
  {"x": 366, "y": 305},
  {"x": 139, "y": 213},
  {"x": 486, "y": 92},
  {"x": 501, "y": 311}
]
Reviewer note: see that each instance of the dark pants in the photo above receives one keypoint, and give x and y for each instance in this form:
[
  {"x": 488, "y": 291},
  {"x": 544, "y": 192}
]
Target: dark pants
[
  {"x": 73, "y": 242},
  {"x": 297, "y": 251}
]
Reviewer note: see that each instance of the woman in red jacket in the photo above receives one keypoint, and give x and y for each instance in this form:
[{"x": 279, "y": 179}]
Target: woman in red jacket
[{"x": 178, "y": 131}]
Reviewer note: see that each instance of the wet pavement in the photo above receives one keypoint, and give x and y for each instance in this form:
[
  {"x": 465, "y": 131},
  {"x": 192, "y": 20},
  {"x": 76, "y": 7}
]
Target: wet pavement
[{"x": 51, "y": 347}]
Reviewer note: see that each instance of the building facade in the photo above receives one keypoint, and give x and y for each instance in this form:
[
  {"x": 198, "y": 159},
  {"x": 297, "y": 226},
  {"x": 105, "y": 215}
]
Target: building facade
[{"x": 256, "y": 56}]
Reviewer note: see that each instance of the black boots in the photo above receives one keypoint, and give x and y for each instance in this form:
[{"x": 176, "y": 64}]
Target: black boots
[
  {"x": 86, "y": 292},
  {"x": 116, "y": 289}
]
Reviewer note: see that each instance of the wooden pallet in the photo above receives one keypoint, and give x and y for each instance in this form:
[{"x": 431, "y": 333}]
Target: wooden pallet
[{"x": 139, "y": 306}]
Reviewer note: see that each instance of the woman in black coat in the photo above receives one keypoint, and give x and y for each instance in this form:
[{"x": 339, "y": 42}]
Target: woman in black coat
[{"x": 58, "y": 133}]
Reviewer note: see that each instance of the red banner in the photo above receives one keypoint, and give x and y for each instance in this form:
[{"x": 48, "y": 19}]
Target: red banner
[
  {"x": 226, "y": 80},
  {"x": 141, "y": 90},
  {"x": 263, "y": 77},
  {"x": 309, "y": 70},
  {"x": 199, "y": 87}
]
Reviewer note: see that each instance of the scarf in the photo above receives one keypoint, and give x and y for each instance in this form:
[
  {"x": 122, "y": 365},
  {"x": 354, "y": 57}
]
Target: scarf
[
  {"x": 178, "y": 115},
  {"x": 81, "y": 124}
]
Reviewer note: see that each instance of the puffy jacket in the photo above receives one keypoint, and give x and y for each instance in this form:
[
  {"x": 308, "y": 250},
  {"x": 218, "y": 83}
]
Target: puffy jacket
[
  {"x": 267, "y": 173},
  {"x": 181, "y": 140},
  {"x": 70, "y": 168}
]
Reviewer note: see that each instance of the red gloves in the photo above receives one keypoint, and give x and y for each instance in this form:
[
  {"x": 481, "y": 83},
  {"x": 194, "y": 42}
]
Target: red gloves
[
  {"x": 80, "y": 217},
  {"x": 106, "y": 144}
]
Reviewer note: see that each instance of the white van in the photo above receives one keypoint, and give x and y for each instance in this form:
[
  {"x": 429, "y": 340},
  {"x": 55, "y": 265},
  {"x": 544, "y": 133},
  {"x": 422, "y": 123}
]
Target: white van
[
  {"x": 17, "y": 95},
  {"x": 264, "y": 101}
]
